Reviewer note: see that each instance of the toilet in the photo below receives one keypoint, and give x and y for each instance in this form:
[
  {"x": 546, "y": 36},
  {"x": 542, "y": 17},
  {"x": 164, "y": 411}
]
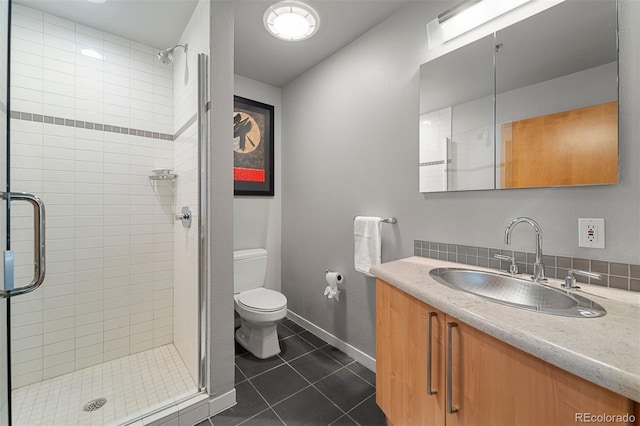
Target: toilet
[{"x": 259, "y": 308}]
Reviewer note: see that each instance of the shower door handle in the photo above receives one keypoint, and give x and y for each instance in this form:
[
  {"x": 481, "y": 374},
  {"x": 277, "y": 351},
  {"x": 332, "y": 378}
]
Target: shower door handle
[{"x": 39, "y": 244}]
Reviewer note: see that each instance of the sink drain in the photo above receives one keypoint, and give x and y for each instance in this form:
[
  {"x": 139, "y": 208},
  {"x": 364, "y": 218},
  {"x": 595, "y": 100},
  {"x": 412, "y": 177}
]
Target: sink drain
[{"x": 94, "y": 405}]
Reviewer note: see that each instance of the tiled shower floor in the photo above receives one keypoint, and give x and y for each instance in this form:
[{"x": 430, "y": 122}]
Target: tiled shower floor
[{"x": 132, "y": 385}]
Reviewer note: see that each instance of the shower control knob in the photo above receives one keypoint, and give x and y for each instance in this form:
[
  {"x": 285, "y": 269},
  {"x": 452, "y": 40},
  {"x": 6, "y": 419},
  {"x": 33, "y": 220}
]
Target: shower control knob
[{"x": 185, "y": 217}]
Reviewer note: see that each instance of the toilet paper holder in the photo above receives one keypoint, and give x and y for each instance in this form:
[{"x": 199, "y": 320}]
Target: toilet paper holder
[
  {"x": 333, "y": 279},
  {"x": 329, "y": 271}
]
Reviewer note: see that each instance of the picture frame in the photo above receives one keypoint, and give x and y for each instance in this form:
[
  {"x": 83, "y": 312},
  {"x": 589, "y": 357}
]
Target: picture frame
[{"x": 253, "y": 139}]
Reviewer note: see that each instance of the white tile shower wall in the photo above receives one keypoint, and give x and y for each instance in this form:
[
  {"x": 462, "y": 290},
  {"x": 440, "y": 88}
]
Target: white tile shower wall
[
  {"x": 435, "y": 133},
  {"x": 109, "y": 286},
  {"x": 185, "y": 293}
]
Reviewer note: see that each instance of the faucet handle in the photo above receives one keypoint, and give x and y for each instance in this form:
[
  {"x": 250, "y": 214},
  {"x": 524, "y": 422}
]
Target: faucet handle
[
  {"x": 513, "y": 268},
  {"x": 570, "y": 279}
]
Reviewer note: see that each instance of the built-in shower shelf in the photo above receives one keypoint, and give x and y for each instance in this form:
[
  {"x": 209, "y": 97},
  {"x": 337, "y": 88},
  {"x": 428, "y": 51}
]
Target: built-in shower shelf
[{"x": 163, "y": 177}]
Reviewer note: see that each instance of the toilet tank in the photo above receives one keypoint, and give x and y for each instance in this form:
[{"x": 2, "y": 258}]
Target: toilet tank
[{"x": 249, "y": 269}]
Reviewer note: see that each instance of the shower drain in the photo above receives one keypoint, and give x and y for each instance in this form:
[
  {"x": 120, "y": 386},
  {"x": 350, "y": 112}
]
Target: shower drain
[{"x": 94, "y": 405}]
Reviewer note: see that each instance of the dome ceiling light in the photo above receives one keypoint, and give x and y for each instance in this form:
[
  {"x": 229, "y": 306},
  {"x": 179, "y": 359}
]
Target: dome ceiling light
[{"x": 291, "y": 20}]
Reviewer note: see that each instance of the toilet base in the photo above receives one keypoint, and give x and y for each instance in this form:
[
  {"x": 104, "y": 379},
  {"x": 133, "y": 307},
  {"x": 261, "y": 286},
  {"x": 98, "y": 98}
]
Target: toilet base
[{"x": 261, "y": 339}]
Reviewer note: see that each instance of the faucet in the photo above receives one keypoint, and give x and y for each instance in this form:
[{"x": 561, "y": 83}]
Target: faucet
[
  {"x": 570, "y": 279},
  {"x": 513, "y": 268},
  {"x": 538, "y": 267}
]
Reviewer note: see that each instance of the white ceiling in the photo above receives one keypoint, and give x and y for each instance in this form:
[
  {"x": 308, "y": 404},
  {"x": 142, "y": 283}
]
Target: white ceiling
[
  {"x": 156, "y": 23},
  {"x": 258, "y": 55},
  {"x": 262, "y": 57}
]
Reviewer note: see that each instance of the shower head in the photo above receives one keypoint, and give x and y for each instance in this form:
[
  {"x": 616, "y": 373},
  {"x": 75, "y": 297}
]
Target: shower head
[{"x": 166, "y": 55}]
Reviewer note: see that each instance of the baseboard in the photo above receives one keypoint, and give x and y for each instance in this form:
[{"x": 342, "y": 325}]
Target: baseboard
[
  {"x": 191, "y": 410},
  {"x": 352, "y": 351},
  {"x": 222, "y": 402}
]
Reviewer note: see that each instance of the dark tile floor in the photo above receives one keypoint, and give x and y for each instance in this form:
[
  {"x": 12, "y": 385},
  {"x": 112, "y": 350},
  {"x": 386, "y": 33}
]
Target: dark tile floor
[{"x": 310, "y": 383}]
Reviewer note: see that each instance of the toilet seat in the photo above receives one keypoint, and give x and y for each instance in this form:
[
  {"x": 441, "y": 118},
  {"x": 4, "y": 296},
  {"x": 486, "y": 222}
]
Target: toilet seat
[{"x": 261, "y": 300}]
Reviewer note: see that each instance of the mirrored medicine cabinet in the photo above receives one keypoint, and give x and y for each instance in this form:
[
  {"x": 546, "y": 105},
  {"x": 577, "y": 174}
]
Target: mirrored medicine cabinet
[{"x": 532, "y": 105}]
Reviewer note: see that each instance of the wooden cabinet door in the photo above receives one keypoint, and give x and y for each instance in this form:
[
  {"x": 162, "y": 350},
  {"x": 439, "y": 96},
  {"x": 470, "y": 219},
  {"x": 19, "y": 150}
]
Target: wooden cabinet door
[
  {"x": 401, "y": 359},
  {"x": 496, "y": 384}
]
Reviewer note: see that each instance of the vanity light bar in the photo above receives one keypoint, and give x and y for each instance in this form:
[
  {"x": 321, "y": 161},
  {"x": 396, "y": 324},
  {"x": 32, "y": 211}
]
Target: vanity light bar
[
  {"x": 454, "y": 10},
  {"x": 476, "y": 14},
  {"x": 471, "y": 14}
]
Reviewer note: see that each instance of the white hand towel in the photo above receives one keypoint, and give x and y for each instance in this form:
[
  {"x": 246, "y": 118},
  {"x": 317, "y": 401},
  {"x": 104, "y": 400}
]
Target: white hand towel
[{"x": 368, "y": 246}]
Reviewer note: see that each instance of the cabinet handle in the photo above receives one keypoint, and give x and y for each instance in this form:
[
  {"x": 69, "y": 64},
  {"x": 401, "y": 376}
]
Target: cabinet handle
[
  {"x": 449, "y": 368},
  {"x": 430, "y": 315}
]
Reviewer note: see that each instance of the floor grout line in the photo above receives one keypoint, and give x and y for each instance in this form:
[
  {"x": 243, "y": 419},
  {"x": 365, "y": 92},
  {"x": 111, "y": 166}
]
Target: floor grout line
[
  {"x": 303, "y": 389},
  {"x": 310, "y": 384}
]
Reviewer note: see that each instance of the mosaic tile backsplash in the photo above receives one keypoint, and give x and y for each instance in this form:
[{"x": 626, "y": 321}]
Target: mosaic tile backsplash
[{"x": 616, "y": 275}]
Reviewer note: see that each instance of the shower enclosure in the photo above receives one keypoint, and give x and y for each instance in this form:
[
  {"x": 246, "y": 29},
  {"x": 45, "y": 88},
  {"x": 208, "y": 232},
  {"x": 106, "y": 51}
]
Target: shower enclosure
[{"x": 102, "y": 157}]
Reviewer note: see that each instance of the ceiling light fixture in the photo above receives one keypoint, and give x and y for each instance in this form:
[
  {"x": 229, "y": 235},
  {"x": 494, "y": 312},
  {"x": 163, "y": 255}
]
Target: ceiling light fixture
[
  {"x": 291, "y": 20},
  {"x": 465, "y": 16}
]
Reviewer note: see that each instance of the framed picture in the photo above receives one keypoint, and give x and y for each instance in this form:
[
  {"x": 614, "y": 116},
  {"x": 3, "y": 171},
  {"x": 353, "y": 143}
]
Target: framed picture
[{"x": 253, "y": 148}]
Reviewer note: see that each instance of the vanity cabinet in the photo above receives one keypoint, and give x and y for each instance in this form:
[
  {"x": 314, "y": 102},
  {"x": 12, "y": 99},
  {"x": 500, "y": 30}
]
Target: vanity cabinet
[
  {"x": 401, "y": 358},
  {"x": 492, "y": 383}
]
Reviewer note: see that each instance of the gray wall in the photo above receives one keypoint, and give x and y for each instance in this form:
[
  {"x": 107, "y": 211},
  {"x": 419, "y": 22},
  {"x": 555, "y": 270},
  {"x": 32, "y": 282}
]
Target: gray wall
[
  {"x": 220, "y": 203},
  {"x": 257, "y": 221},
  {"x": 350, "y": 147}
]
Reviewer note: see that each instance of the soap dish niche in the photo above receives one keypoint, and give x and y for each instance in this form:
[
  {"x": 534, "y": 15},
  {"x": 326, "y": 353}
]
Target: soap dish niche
[{"x": 162, "y": 174}]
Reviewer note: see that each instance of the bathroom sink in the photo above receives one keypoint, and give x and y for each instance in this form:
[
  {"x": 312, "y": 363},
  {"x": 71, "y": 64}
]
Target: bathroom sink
[{"x": 517, "y": 292}]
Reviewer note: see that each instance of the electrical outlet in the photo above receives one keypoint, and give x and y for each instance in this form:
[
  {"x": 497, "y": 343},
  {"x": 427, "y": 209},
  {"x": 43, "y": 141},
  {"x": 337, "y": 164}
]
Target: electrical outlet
[{"x": 591, "y": 233}]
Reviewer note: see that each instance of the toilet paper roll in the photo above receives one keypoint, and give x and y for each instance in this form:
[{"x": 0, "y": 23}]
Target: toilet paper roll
[
  {"x": 332, "y": 293},
  {"x": 333, "y": 279}
]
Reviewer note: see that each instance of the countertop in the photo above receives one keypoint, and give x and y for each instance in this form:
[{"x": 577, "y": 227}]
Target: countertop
[{"x": 604, "y": 350}]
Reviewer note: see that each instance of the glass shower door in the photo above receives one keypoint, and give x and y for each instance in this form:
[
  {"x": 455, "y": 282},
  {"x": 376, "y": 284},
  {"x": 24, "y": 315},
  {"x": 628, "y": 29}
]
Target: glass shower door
[
  {"x": 7, "y": 286},
  {"x": 4, "y": 344}
]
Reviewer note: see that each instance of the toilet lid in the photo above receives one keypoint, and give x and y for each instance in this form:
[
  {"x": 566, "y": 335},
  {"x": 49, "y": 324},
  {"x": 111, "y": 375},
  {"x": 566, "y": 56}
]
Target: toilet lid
[{"x": 262, "y": 299}]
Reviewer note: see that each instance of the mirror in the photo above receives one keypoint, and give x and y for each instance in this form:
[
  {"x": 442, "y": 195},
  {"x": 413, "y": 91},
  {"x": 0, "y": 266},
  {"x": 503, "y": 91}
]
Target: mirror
[{"x": 533, "y": 105}]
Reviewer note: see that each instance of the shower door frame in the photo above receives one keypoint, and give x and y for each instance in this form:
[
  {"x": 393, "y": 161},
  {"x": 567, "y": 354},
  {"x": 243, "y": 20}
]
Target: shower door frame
[
  {"x": 5, "y": 372},
  {"x": 203, "y": 194}
]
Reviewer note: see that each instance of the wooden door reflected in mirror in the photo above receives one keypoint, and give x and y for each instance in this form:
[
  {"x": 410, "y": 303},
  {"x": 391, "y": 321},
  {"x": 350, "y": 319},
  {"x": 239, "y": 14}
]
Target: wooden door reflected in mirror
[{"x": 575, "y": 147}]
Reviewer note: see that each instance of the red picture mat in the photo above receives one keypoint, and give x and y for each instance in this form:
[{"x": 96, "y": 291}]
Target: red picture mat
[{"x": 248, "y": 175}]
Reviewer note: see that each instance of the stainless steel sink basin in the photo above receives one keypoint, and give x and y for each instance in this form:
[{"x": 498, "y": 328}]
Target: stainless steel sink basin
[{"x": 518, "y": 292}]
